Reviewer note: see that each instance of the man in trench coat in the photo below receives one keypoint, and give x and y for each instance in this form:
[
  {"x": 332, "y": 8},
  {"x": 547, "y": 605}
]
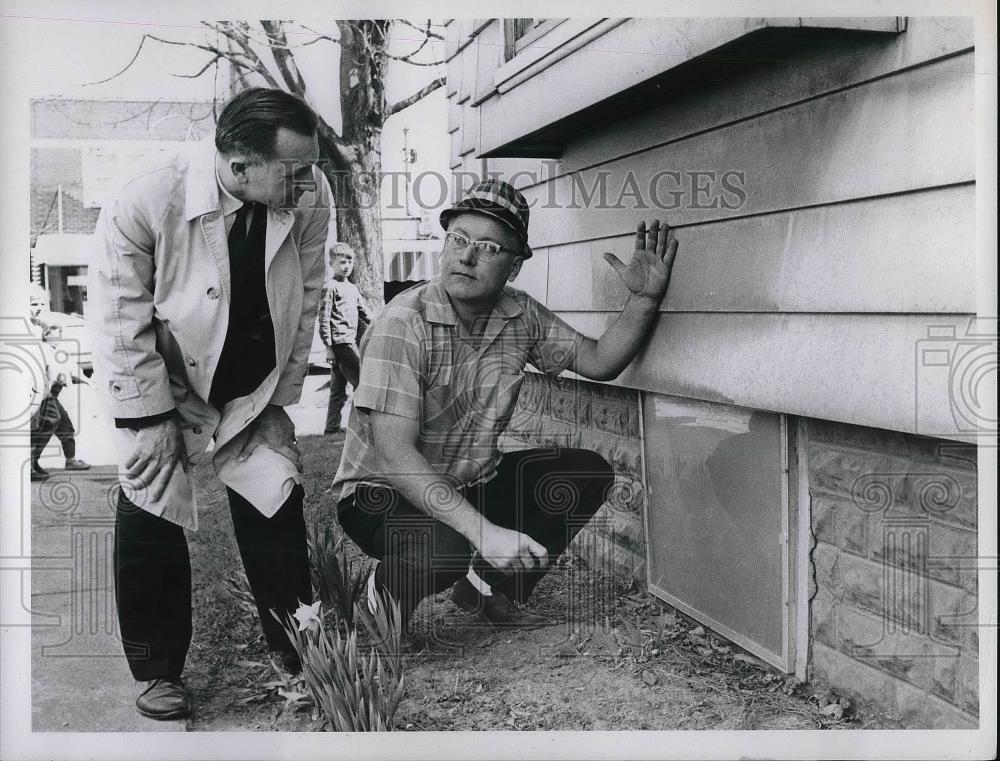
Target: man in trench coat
[{"x": 203, "y": 296}]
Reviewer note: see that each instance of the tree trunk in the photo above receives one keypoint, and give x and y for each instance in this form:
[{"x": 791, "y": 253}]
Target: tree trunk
[
  {"x": 356, "y": 175},
  {"x": 359, "y": 215}
]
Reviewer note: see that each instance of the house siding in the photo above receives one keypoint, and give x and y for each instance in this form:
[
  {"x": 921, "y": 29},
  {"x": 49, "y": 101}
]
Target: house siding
[{"x": 809, "y": 291}]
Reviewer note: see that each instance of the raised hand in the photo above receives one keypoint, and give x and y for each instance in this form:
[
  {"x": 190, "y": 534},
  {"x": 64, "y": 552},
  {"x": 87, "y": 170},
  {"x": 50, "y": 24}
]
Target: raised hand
[{"x": 648, "y": 274}]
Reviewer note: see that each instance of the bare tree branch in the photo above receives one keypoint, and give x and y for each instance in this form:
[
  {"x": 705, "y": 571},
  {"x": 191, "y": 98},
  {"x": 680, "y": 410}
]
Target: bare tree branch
[
  {"x": 135, "y": 57},
  {"x": 427, "y": 32},
  {"x": 319, "y": 36},
  {"x": 202, "y": 70},
  {"x": 406, "y": 59},
  {"x": 421, "y": 46},
  {"x": 423, "y": 92},
  {"x": 239, "y": 33},
  {"x": 278, "y": 43}
]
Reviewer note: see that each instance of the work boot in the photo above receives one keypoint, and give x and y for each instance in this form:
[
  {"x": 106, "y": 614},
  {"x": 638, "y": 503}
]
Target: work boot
[
  {"x": 163, "y": 699},
  {"x": 496, "y": 608}
]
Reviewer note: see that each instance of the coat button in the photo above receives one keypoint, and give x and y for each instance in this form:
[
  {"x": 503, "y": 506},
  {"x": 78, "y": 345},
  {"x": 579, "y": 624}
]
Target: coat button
[
  {"x": 196, "y": 431},
  {"x": 190, "y": 361},
  {"x": 213, "y": 293}
]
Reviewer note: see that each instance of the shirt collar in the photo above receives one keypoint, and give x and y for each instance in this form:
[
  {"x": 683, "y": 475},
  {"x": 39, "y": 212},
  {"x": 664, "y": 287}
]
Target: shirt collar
[
  {"x": 230, "y": 203},
  {"x": 438, "y": 308}
]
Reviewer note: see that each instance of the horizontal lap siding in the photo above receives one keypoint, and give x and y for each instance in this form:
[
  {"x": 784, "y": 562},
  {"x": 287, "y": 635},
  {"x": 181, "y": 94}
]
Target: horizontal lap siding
[
  {"x": 907, "y": 132},
  {"x": 855, "y": 233},
  {"x": 909, "y": 253},
  {"x": 782, "y": 81},
  {"x": 860, "y": 368}
]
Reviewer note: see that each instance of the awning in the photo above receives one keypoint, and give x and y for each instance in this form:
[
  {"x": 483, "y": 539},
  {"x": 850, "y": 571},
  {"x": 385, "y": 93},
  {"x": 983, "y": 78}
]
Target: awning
[
  {"x": 411, "y": 259},
  {"x": 63, "y": 250}
]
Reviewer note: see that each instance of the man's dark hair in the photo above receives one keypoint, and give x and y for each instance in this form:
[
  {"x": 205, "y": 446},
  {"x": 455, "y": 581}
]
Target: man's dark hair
[{"x": 249, "y": 122}]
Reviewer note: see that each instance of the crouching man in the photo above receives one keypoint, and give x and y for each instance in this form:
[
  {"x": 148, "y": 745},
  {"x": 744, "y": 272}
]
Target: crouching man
[{"x": 425, "y": 489}]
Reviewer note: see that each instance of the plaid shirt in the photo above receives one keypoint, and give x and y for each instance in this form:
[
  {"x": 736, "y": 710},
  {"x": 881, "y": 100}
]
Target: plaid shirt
[
  {"x": 418, "y": 360},
  {"x": 340, "y": 309}
]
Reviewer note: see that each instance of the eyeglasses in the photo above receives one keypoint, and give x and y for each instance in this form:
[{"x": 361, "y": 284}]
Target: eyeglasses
[{"x": 484, "y": 248}]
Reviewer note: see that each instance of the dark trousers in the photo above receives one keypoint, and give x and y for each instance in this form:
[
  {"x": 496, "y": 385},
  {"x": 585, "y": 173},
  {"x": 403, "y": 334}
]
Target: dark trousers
[
  {"x": 549, "y": 494},
  {"x": 153, "y": 578},
  {"x": 345, "y": 367},
  {"x": 52, "y": 418}
]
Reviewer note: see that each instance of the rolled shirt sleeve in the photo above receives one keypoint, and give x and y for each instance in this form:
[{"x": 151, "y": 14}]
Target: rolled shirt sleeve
[
  {"x": 392, "y": 362},
  {"x": 556, "y": 343}
]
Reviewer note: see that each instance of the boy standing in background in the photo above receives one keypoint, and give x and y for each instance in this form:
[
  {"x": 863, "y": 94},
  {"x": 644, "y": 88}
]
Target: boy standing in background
[{"x": 340, "y": 313}]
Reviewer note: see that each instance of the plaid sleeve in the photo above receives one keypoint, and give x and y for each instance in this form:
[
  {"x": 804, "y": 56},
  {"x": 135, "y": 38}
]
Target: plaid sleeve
[
  {"x": 326, "y": 305},
  {"x": 556, "y": 343},
  {"x": 391, "y": 369}
]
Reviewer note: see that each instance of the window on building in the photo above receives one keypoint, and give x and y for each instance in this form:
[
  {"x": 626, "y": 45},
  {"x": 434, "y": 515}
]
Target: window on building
[
  {"x": 519, "y": 33},
  {"x": 717, "y": 523}
]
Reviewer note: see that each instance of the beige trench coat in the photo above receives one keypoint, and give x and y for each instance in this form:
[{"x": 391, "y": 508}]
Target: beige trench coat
[{"x": 158, "y": 308}]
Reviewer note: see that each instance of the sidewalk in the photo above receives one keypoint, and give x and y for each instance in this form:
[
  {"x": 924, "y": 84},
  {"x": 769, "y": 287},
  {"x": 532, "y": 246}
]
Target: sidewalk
[{"x": 80, "y": 680}]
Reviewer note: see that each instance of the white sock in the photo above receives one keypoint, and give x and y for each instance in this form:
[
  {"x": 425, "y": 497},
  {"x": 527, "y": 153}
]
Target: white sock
[{"x": 478, "y": 583}]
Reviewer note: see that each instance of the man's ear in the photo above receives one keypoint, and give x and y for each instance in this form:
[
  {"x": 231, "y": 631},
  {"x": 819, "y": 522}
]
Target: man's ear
[
  {"x": 239, "y": 169},
  {"x": 514, "y": 269}
]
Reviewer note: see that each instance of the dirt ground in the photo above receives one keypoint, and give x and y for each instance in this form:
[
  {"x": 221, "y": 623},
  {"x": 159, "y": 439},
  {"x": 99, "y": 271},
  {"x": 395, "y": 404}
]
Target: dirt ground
[{"x": 617, "y": 659}]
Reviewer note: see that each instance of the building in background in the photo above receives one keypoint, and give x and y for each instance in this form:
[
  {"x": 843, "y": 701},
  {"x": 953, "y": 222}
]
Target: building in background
[
  {"x": 795, "y": 449},
  {"x": 81, "y": 150}
]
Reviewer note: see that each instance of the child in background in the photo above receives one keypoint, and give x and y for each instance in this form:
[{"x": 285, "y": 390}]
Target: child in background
[
  {"x": 340, "y": 312},
  {"x": 50, "y": 417}
]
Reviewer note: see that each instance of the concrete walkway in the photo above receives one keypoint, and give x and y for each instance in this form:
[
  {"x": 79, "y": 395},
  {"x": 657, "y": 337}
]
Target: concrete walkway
[{"x": 80, "y": 680}]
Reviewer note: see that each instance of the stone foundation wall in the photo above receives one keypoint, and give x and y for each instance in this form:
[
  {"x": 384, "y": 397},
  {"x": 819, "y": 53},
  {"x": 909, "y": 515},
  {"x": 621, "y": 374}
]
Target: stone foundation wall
[
  {"x": 604, "y": 419},
  {"x": 894, "y": 615}
]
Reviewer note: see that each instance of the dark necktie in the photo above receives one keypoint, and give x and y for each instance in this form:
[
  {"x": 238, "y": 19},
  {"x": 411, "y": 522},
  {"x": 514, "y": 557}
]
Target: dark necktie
[
  {"x": 238, "y": 232},
  {"x": 248, "y": 353}
]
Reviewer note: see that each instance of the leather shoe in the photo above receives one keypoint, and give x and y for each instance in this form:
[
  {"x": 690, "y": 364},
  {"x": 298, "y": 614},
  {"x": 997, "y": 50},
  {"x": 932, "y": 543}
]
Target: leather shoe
[
  {"x": 496, "y": 608},
  {"x": 164, "y": 698}
]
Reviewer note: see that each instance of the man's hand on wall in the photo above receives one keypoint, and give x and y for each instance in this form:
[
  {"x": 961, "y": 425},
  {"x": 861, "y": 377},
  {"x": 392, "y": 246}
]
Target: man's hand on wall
[
  {"x": 507, "y": 549},
  {"x": 275, "y": 430},
  {"x": 158, "y": 449},
  {"x": 648, "y": 274}
]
